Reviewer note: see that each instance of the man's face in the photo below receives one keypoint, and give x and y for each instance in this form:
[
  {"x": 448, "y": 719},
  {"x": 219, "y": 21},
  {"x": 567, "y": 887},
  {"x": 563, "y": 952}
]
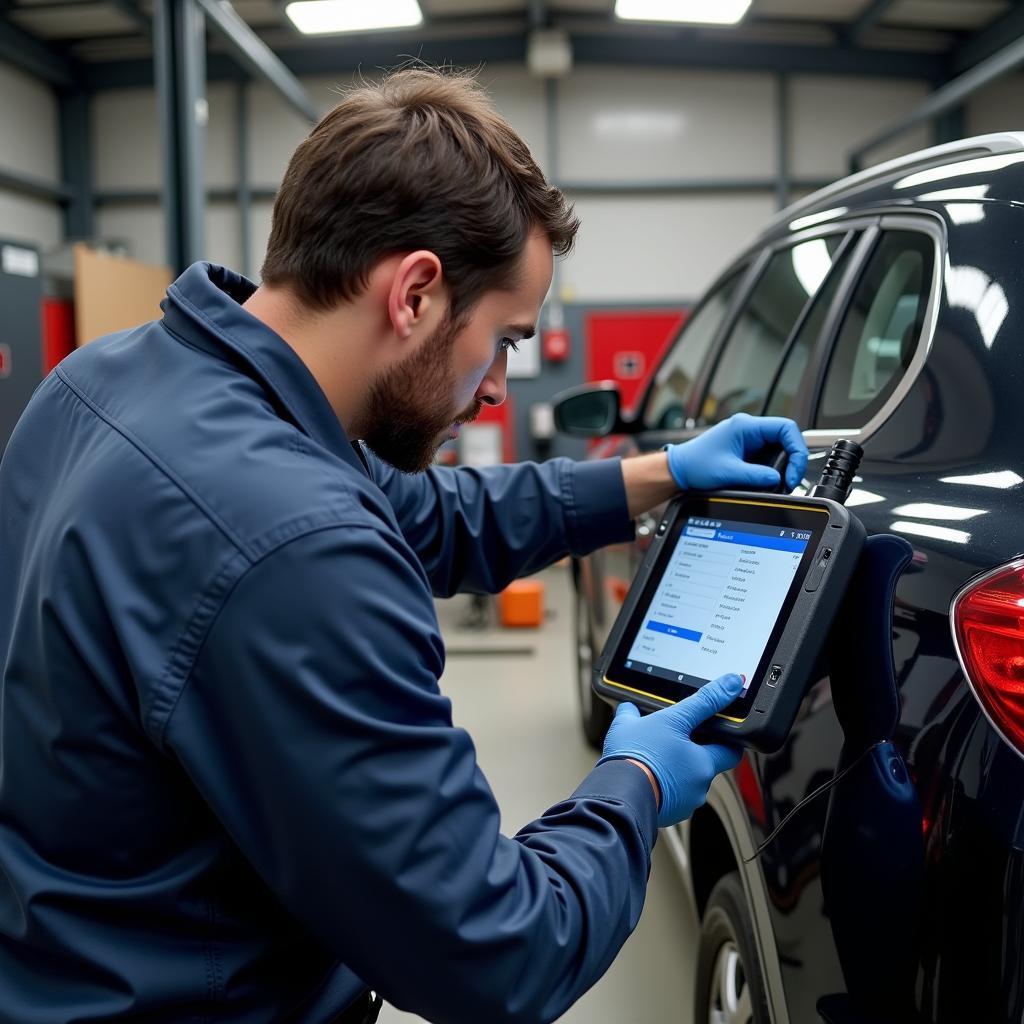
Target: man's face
[{"x": 418, "y": 404}]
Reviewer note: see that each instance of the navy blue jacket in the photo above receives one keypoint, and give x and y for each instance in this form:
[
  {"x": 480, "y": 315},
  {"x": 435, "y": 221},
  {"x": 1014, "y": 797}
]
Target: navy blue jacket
[{"x": 230, "y": 789}]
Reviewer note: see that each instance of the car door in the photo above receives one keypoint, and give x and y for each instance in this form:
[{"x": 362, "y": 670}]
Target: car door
[{"x": 846, "y": 370}]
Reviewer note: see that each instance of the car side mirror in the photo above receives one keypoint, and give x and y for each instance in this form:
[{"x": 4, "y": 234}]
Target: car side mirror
[{"x": 591, "y": 410}]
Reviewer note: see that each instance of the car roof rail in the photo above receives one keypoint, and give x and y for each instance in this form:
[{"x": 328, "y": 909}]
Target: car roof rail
[{"x": 935, "y": 156}]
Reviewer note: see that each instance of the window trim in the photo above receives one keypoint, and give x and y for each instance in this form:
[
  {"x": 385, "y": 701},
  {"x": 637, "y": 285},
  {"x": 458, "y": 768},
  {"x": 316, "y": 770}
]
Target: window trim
[
  {"x": 821, "y": 356},
  {"x": 837, "y": 227},
  {"x": 848, "y": 244},
  {"x": 922, "y": 223}
]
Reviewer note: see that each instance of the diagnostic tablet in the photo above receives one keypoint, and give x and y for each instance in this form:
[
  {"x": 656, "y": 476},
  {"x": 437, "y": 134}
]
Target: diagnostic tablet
[{"x": 733, "y": 582}]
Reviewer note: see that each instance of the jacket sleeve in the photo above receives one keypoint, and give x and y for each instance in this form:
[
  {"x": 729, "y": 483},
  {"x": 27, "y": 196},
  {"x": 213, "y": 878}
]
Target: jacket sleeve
[
  {"x": 478, "y": 529},
  {"x": 313, "y": 726}
]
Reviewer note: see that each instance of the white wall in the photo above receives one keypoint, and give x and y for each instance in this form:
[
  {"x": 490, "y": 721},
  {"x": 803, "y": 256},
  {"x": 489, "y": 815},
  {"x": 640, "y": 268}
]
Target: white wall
[
  {"x": 832, "y": 115},
  {"x": 656, "y": 249},
  {"x": 614, "y": 124},
  {"x": 28, "y": 126},
  {"x": 127, "y": 157},
  {"x": 998, "y": 108}
]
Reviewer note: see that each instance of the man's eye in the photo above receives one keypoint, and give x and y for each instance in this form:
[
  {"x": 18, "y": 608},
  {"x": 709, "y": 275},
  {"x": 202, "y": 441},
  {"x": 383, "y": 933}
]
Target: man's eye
[{"x": 509, "y": 343}]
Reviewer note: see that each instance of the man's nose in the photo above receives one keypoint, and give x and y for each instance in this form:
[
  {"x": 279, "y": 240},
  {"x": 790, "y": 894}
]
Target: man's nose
[{"x": 493, "y": 387}]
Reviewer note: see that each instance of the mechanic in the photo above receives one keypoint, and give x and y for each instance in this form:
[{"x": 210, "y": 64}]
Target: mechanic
[{"x": 230, "y": 788}]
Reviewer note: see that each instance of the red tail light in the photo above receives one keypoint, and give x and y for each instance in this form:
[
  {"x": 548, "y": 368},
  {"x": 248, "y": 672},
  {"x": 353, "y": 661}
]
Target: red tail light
[{"x": 988, "y": 629}]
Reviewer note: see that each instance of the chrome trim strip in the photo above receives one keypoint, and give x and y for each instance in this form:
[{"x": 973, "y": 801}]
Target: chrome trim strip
[
  {"x": 997, "y": 142},
  {"x": 975, "y": 581},
  {"x": 926, "y": 225}
]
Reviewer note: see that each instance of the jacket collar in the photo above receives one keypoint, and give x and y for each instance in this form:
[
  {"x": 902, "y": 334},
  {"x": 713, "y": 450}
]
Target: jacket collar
[{"x": 204, "y": 308}]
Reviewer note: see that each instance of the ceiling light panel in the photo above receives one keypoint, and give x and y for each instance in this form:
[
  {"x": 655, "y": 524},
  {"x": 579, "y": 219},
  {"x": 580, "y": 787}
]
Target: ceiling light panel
[
  {"x": 699, "y": 12},
  {"x": 320, "y": 17}
]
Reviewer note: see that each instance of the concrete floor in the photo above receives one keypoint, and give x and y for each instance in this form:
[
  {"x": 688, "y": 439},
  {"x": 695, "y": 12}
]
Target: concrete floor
[{"x": 520, "y": 709}]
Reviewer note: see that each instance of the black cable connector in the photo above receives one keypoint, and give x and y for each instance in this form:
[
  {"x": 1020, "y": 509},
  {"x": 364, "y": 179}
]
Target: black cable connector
[{"x": 838, "y": 472}]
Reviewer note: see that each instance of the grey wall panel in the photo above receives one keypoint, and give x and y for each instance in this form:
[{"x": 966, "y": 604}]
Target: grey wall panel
[
  {"x": 221, "y": 136},
  {"x": 223, "y": 236},
  {"x": 32, "y": 221},
  {"x": 139, "y": 225},
  {"x": 261, "y": 212},
  {"x": 654, "y": 248},
  {"x": 520, "y": 98},
  {"x": 126, "y": 140},
  {"x": 830, "y": 115},
  {"x": 28, "y": 125},
  {"x": 997, "y": 108}
]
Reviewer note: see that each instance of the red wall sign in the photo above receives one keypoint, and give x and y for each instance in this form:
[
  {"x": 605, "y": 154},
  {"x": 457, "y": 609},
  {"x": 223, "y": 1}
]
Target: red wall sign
[{"x": 627, "y": 346}]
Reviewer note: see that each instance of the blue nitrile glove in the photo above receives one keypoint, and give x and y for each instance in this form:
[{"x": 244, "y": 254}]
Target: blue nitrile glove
[
  {"x": 684, "y": 768},
  {"x": 715, "y": 460}
]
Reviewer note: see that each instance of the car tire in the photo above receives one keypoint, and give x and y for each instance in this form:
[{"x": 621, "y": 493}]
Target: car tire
[
  {"x": 595, "y": 714},
  {"x": 730, "y": 988}
]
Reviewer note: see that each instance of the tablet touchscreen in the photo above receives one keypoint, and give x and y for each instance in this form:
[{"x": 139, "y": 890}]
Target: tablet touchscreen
[{"x": 718, "y": 599}]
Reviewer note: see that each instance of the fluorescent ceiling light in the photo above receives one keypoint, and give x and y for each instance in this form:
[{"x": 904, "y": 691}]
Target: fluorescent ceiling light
[
  {"x": 315, "y": 17},
  {"x": 639, "y": 125},
  {"x": 701, "y": 12}
]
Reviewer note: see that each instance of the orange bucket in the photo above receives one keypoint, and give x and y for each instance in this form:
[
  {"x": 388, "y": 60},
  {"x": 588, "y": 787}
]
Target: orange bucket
[{"x": 522, "y": 604}]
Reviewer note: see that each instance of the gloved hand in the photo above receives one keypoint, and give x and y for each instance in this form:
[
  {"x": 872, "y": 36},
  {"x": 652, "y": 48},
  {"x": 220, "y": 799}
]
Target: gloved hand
[
  {"x": 684, "y": 768},
  {"x": 716, "y": 459}
]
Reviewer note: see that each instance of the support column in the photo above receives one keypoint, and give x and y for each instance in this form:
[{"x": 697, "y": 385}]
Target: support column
[
  {"x": 244, "y": 185},
  {"x": 75, "y": 149},
  {"x": 782, "y": 114},
  {"x": 179, "y": 52}
]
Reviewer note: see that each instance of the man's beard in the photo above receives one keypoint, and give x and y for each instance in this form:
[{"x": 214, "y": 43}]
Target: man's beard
[{"x": 405, "y": 419}]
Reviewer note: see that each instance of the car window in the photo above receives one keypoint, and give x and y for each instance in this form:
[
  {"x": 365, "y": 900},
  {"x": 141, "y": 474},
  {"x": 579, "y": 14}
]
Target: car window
[
  {"x": 750, "y": 357},
  {"x": 880, "y": 331},
  {"x": 666, "y": 404},
  {"x": 791, "y": 379}
]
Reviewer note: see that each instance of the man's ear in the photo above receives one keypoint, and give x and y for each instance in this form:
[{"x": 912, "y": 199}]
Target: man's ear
[{"x": 416, "y": 290}]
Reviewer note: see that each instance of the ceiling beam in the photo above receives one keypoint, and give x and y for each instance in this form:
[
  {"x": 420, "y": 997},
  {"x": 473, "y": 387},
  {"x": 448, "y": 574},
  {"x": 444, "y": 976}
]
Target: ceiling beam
[
  {"x": 687, "y": 50},
  {"x": 989, "y": 40},
  {"x": 326, "y": 57},
  {"x": 33, "y": 187},
  {"x": 872, "y": 14},
  {"x": 130, "y": 9},
  {"x": 40, "y": 59},
  {"x": 949, "y": 97},
  {"x": 258, "y": 58}
]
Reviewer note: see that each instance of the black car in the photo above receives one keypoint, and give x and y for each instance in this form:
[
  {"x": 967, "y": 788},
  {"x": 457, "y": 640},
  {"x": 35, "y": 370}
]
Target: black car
[{"x": 889, "y": 309}]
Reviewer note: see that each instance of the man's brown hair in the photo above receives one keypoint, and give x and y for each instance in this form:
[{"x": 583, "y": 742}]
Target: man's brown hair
[{"x": 422, "y": 160}]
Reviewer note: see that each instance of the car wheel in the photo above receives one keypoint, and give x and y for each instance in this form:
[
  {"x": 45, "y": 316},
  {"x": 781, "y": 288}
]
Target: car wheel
[
  {"x": 595, "y": 714},
  {"x": 730, "y": 989}
]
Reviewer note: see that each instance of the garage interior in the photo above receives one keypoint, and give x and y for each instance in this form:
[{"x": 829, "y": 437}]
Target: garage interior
[{"x": 140, "y": 137}]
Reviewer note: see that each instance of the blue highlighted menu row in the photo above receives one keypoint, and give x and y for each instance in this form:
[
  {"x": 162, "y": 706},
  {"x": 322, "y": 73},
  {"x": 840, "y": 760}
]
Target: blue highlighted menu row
[
  {"x": 683, "y": 634},
  {"x": 750, "y": 540}
]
